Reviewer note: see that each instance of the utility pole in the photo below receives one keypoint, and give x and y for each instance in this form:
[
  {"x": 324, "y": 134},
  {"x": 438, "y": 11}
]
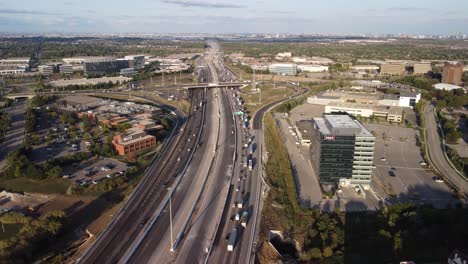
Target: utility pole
[{"x": 170, "y": 218}]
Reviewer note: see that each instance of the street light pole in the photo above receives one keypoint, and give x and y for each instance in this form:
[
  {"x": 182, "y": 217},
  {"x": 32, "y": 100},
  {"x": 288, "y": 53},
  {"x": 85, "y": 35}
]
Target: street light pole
[{"x": 170, "y": 218}]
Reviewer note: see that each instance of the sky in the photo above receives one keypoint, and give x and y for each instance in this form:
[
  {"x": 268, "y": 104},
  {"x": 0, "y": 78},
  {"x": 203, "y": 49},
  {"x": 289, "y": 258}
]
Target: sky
[{"x": 342, "y": 17}]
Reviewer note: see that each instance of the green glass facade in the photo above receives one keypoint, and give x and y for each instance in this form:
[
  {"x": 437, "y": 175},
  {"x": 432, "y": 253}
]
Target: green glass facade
[{"x": 336, "y": 158}]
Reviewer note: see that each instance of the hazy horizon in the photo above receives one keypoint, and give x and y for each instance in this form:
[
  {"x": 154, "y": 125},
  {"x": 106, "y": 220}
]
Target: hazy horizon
[{"x": 338, "y": 17}]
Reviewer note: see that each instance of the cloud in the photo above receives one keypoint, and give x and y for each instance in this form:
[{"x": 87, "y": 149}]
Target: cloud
[
  {"x": 196, "y": 3},
  {"x": 23, "y": 12},
  {"x": 408, "y": 9}
]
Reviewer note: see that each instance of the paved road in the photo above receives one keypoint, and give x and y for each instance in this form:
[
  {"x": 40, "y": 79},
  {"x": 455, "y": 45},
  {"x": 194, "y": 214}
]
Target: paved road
[
  {"x": 139, "y": 210},
  {"x": 202, "y": 232},
  {"x": 436, "y": 152},
  {"x": 15, "y": 134}
]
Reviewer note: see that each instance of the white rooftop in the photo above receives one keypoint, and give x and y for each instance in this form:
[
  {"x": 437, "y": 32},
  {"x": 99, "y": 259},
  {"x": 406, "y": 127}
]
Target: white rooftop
[{"x": 341, "y": 125}]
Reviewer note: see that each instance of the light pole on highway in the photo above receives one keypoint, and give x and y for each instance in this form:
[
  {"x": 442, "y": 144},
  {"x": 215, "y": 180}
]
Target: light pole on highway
[{"x": 170, "y": 218}]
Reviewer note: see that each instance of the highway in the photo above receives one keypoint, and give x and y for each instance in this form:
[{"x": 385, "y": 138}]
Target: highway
[
  {"x": 139, "y": 210},
  {"x": 436, "y": 153},
  {"x": 197, "y": 200}
]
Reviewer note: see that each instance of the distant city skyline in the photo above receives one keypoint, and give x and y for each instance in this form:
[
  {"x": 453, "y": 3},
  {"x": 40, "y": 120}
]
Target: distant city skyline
[{"x": 426, "y": 17}]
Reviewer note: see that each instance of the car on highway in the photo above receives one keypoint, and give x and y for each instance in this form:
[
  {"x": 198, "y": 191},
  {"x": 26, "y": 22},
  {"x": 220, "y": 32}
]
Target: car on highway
[
  {"x": 438, "y": 179},
  {"x": 383, "y": 159}
]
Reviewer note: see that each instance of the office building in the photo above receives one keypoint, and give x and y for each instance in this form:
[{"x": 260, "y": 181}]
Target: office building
[
  {"x": 102, "y": 67},
  {"x": 283, "y": 69},
  {"x": 342, "y": 151},
  {"x": 453, "y": 73},
  {"x": 66, "y": 69},
  {"x": 392, "y": 69},
  {"x": 422, "y": 68},
  {"x": 133, "y": 143},
  {"x": 136, "y": 62}
]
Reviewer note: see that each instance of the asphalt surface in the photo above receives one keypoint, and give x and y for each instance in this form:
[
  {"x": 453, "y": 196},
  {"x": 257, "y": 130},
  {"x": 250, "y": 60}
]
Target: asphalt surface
[
  {"x": 139, "y": 209},
  {"x": 15, "y": 134},
  {"x": 203, "y": 228},
  {"x": 436, "y": 152}
]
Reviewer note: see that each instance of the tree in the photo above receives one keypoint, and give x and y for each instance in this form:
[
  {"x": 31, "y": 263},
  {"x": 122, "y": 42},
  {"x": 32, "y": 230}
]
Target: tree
[
  {"x": 327, "y": 252},
  {"x": 316, "y": 253}
]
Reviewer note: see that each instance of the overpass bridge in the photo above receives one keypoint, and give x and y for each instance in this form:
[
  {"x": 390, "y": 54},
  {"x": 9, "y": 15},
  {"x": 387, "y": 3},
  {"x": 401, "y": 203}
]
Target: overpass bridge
[{"x": 87, "y": 91}]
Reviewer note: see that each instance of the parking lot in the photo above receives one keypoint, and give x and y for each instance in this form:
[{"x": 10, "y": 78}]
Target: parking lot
[
  {"x": 94, "y": 170},
  {"x": 398, "y": 171}
]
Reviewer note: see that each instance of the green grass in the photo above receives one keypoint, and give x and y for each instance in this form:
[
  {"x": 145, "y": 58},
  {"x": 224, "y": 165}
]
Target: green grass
[
  {"x": 10, "y": 230},
  {"x": 46, "y": 186}
]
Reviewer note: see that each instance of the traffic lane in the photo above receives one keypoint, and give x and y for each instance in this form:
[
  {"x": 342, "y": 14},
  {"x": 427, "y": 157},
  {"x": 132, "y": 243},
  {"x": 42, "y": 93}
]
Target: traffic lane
[{"x": 244, "y": 183}]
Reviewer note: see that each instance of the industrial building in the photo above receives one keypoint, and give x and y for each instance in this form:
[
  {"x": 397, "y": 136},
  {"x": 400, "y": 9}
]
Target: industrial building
[
  {"x": 342, "y": 151},
  {"x": 392, "y": 69},
  {"x": 453, "y": 73},
  {"x": 390, "y": 113},
  {"x": 46, "y": 69},
  {"x": 312, "y": 68},
  {"x": 406, "y": 98},
  {"x": 446, "y": 86},
  {"x": 365, "y": 67},
  {"x": 422, "y": 68},
  {"x": 66, "y": 69},
  {"x": 83, "y": 59},
  {"x": 283, "y": 68}
]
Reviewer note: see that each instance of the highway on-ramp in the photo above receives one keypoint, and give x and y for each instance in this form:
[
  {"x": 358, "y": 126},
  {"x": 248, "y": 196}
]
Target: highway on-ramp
[{"x": 436, "y": 152}]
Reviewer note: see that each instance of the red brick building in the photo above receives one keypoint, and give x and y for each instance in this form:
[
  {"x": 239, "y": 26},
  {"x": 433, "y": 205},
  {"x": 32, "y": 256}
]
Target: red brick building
[{"x": 134, "y": 144}]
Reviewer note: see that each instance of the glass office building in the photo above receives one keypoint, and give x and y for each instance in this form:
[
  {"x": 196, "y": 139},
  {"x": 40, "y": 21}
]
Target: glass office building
[
  {"x": 104, "y": 66},
  {"x": 283, "y": 69},
  {"x": 342, "y": 151}
]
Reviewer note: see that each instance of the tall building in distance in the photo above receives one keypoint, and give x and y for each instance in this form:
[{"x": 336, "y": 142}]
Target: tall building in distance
[
  {"x": 453, "y": 72},
  {"x": 342, "y": 151}
]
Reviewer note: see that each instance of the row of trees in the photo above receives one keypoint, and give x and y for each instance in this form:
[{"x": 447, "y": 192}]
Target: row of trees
[
  {"x": 20, "y": 165},
  {"x": 4, "y": 123},
  {"x": 450, "y": 128},
  {"x": 34, "y": 236}
]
